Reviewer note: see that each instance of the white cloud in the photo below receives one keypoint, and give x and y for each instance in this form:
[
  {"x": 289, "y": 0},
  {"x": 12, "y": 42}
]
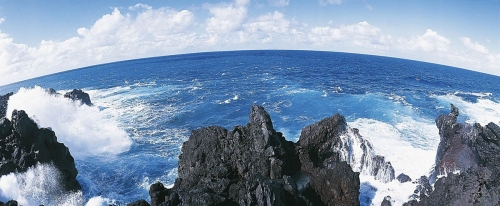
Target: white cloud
[
  {"x": 279, "y": 3},
  {"x": 474, "y": 46},
  {"x": 327, "y": 2},
  {"x": 369, "y": 7},
  {"x": 2, "y": 20},
  {"x": 269, "y": 23},
  {"x": 360, "y": 34},
  {"x": 139, "y": 6},
  {"x": 113, "y": 37},
  {"x": 430, "y": 41},
  {"x": 267, "y": 27},
  {"x": 226, "y": 17}
]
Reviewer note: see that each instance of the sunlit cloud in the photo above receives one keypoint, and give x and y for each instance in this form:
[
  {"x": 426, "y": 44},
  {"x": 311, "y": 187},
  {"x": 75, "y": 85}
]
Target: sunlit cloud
[
  {"x": 474, "y": 46},
  {"x": 430, "y": 41},
  {"x": 226, "y": 17}
]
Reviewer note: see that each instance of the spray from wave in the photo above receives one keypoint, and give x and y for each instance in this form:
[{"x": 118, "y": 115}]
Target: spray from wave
[{"x": 86, "y": 131}]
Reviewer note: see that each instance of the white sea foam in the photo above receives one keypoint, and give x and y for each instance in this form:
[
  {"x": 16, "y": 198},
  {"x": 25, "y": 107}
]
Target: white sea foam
[
  {"x": 372, "y": 192},
  {"x": 86, "y": 131},
  {"x": 39, "y": 185},
  {"x": 227, "y": 101},
  {"x": 393, "y": 143},
  {"x": 483, "y": 111}
]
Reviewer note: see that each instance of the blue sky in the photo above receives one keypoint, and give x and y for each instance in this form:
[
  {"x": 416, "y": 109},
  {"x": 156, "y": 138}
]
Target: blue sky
[{"x": 44, "y": 37}]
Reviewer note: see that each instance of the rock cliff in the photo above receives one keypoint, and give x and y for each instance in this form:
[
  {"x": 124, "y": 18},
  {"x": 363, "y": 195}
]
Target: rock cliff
[
  {"x": 3, "y": 104},
  {"x": 255, "y": 165},
  {"x": 469, "y": 162},
  {"x": 23, "y": 145}
]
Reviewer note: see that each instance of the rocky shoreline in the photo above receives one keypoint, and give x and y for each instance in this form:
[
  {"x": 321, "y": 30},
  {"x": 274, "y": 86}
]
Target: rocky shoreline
[{"x": 255, "y": 165}]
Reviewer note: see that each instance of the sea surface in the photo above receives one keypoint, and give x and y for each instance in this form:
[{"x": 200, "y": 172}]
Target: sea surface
[{"x": 145, "y": 109}]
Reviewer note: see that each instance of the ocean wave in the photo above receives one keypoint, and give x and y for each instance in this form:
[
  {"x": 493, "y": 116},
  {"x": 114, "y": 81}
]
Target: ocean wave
[
  {"x": 86, "y": 131},
  {"x": 483, "y": 110},
  {"x": 392, "y": 142},
  {"x": 40, "y": 185}
]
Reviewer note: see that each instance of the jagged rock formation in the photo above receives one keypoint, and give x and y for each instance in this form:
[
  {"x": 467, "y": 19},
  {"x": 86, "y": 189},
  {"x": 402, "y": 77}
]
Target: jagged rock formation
[
  {"x": 78, "y": 95},
  {"x": 9, "y": 203},
  {"x": 3, "y": 104},
  {"x": 23, "y": 145},
  {"x": 403, "y": 178},
  {"x": 255, "y": 165},
  {"x": 468, "y": 156},
  {"x": 350, "y": 146}
]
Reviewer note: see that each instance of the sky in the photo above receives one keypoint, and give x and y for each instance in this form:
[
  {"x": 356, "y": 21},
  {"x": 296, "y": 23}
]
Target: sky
[{"x": 44, "y": 37}]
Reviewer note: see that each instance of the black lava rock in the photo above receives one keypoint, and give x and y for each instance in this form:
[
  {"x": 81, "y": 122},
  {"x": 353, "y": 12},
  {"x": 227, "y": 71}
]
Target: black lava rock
[
  {"x": 255, "y": 165},
  {"x": 3, "y": 104},
  {"x": 386, "y": 201},
  {"x": 139, "y": 203},
  {"x": 403, "y": 178},
  {"x": 23, "y": 145},
  {"x": 468, "y": 157},
  {"x": 79, "y": 95}
]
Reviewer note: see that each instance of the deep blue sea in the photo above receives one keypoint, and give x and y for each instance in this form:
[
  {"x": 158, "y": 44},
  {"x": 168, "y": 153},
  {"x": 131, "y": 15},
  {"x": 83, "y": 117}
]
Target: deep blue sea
[{"x": 145, "y": 109}]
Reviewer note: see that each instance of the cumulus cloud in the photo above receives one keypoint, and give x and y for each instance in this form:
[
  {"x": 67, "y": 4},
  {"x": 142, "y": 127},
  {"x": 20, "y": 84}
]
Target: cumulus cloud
[
  {"x": 115, "y": 36},
  {"x": 474, "y": 46},
  {"x": 430, "y": 41},
  {"x": 360, "y": 34},
  {"x": 226, "y": 17},
  {"x": 279, "y": 3},
  {"x": 265, "y": 27},
  {"x": 327, "y": 2}
]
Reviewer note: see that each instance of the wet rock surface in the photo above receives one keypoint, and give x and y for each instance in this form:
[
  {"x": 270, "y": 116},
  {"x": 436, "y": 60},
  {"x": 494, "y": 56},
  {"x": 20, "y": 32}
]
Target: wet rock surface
[
  {"x": 3, "y": 104},
  {"x": 255, "y": 165},
  {"x": 23, "y": 145},
  {"x": 77, "y": 95},
  {"x": 469, "y": 161}
]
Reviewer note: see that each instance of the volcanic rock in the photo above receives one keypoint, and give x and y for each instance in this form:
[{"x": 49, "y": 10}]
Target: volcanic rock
[
  {"x": 139, "y": 203},
  {"x": 23, "y": 145},
  {"x": 3, "y": 104},
  {"x": 347, "y": 144},
  {"x": 386, "y": 201},
  {"x": 79, "y": 95},
  {"x": 469, "y": 161},
  {"x": 403, "y": 178},
  {"x": 255, "y": 165}
]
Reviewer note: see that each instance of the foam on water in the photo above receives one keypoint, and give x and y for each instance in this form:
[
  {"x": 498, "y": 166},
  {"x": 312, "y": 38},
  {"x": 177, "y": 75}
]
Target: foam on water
[
  {"x": 390, "y": 142},
  {"x": 484, "y": 110},
  {"x": 372, "y": 192},
  {"x": 40, "y": 185},
  {"x": 86, "y": 131}
]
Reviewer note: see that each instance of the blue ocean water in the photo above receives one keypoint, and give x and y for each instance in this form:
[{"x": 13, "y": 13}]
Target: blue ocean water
[{"x": 144, "y": 110}]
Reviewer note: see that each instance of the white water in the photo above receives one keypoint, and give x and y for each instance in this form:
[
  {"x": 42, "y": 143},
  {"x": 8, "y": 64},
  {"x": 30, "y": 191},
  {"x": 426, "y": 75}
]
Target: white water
[
  {"x": 86, "y": 131},
  {"x": 39, "y": 185}
]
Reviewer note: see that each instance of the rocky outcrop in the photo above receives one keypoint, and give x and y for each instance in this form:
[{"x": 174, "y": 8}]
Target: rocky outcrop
[
  {"x": 3, "y": 104},
  {"x": 467, "y": 158},
  {"x": 79, "y": 95},
  {"x": 9, "y": 203},
  {"x": 23, "y": 145},
  {"x": 350, "y": 146},
  {"x": 255, "y": 165},
  {"x": 402, "y": 178}
]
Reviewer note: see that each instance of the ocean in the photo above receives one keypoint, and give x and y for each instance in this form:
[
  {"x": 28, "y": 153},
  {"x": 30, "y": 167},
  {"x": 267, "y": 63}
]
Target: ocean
[{"x": 145, "y": 109}]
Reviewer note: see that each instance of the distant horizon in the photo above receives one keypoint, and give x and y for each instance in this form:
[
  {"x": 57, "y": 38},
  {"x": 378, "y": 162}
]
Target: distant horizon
[
  {"x": 236, "y": 51},
  {"x": 40, "y": 38}
]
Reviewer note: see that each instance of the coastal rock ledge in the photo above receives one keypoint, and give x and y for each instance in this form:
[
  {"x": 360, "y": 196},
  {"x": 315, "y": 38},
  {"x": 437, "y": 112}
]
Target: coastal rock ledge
[
  {"x": 255, "y": 165},
  {"x": 24, "y": 145}
]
